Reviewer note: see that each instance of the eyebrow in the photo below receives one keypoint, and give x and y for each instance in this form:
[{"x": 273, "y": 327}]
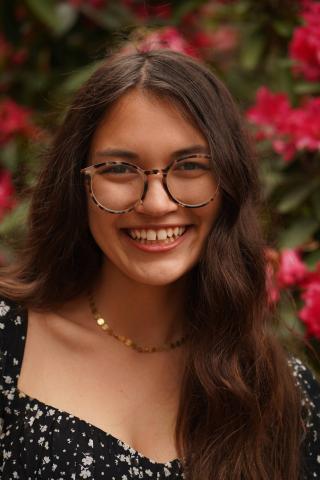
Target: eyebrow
[{"x": 130, "y": 155}]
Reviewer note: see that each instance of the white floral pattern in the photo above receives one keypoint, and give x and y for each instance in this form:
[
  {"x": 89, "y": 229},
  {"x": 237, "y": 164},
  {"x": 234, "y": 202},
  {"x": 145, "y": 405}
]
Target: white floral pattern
[{"x": 40, "y": 442}]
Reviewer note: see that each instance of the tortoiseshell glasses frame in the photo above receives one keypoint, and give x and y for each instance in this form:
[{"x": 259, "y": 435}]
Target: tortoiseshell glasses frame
[{"x": 91, "y": 170}]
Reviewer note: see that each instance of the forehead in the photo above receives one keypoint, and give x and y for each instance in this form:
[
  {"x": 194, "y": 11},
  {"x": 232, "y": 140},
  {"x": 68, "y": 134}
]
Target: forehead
[{"x": 142, "y": 121}]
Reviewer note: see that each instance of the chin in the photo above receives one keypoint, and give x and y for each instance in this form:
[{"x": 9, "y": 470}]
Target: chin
[{"x": 158, "y": 279}]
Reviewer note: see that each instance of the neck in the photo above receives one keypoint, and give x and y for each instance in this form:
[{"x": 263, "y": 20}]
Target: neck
[{"x": 148, "y": 314}]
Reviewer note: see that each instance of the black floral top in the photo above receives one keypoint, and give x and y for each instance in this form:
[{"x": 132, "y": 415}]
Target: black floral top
[{"x": 39, "y": 441}]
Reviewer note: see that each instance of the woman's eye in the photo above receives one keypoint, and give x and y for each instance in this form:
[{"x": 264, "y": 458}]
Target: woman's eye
[
  {"x": 118, "y": 169},
  {"x": 189, "y": 166}
]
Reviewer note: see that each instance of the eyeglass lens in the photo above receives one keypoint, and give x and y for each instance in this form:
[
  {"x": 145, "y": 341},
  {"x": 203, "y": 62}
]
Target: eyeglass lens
[{"x": 120, "y": 186}]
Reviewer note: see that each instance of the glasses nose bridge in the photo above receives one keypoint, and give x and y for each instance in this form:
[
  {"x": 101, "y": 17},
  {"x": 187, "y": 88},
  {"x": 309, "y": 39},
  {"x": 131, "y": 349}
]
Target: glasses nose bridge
[
  {"x": 163, "y": 178},
  {"x": 155, "y": 171}
]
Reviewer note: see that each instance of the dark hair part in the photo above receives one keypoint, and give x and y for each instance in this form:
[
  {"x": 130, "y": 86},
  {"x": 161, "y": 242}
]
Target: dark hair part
[{"x": 239, "y": 414}]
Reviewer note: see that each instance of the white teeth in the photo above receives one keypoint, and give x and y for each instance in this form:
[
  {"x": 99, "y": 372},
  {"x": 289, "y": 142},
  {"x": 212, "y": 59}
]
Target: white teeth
[
  {"x": 163, "y": 234},
  {"x": 151, "y": 235}
]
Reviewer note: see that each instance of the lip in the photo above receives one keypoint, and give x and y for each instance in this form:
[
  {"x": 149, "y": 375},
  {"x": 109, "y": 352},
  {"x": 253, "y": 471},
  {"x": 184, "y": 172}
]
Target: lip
[{"x": 157, "y": 248}]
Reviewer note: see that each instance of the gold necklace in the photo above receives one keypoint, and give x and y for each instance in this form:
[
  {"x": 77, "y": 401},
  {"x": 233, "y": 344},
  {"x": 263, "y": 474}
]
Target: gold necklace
[{"x": 127, "y": 341}]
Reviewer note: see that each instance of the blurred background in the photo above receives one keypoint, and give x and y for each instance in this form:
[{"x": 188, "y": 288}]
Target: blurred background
[{"x": 266, "y": 51}]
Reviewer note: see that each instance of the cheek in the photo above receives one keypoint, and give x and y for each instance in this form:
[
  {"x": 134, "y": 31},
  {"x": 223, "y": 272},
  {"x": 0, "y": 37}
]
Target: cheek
[
  {"x": 209, "y": 215},
  {"x": 101, "y": 225}
]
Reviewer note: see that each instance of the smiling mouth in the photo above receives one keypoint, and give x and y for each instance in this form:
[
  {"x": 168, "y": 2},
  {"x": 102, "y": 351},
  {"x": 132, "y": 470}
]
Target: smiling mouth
[{"x": 156, "y": 236}]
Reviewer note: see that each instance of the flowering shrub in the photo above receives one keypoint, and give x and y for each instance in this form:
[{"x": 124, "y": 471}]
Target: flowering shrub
[
  {"x": 14, "y": 120},
  {"x": 268, "y": 53},
  {"x": 289, "y": 123},
  {"x": 289, "y": 129},
  {"x": 305, "y": 44},
  {"x": 292, "y": 273}
]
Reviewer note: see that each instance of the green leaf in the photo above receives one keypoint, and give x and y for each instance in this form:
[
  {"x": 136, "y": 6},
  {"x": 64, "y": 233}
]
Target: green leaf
[
  {"x": 113, "y": 18},
  {"x": 252, "y": 51},
  {"x": 298, "y": 233},
  {"x": 306, "y": 88},
  {"x": 282, "y": 28},
  {"x": 15, "y": 221},
  {"x": 295, "y": 196},
  {"x": 271, "y": 180},
  {"x": 312, "y": 259},
  {"x": 315, "y": 200},
  {"x": 9, "y": 155},
  {"x": 59, "y": 17},
  {"x": 289, "y": 320},
  {"x": 77, "y": 78}
]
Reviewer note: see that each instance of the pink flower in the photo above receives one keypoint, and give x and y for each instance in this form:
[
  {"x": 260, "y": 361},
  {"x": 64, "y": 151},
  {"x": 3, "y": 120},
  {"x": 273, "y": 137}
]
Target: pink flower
[
  {"x": 168, "y": 37},
  {"x": 289, "y": 129},
  {"x": 201, "y": 40},
  {"x": 305, "y": 44},
  {"x": 292, "y": 271},
  {"x": 222, "y": 39},
  {"x": 7, "y": 201},
  {"x": 269, "y": 111},
  {"x": 310, "y": 313},
  {"x": 14, "y": 120},
  {"x": 225, "y": 38}
]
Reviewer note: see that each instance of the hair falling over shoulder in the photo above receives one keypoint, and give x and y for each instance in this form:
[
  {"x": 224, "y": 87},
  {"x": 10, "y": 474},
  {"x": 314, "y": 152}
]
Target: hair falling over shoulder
[{"x": 240, "y": 412}]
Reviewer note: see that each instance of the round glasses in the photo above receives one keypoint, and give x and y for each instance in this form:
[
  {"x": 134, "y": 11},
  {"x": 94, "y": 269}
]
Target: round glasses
[{"x": 117, "y": 187}]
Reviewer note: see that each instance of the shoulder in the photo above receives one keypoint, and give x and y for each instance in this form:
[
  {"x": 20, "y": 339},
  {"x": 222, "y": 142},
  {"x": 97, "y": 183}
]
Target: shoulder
[
  {"x": 307, "y": 382},
  {"x": 12, "y": 323},
  {"x": 310, "y": 390}
]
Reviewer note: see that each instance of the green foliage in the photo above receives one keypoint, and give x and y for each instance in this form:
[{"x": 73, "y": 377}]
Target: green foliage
[{"x": 63, "y": 44}]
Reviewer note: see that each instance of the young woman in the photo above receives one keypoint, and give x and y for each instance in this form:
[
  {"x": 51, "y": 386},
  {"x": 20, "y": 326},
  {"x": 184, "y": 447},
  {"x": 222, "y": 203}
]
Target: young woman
[{"x": 135, "y": 335}]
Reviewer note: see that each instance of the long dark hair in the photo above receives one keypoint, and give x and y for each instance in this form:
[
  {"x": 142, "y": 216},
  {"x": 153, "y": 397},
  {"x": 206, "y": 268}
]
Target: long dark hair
[{"x": 239, "y": 415}]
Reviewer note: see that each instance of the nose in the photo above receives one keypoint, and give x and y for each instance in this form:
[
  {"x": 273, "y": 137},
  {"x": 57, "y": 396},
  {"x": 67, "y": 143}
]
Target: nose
[{"x": 156, "y": 201}]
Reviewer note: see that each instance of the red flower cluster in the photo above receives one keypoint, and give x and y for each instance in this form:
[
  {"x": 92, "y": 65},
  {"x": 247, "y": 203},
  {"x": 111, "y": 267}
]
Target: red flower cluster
[
  {"x": 220, "y": 41},
  {"x": 305, "y": 44},
  {"x": 7, "y": 191},
  {"x": 14, "y": 120},
  {"x": 168, "y": 37},
  {"x": 291, "y": 272},
  {"x": 289, "y": 129}
]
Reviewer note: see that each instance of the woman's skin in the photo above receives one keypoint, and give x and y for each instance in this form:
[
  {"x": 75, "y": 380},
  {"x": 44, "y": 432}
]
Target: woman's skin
[{"x": 73, "y": 365}]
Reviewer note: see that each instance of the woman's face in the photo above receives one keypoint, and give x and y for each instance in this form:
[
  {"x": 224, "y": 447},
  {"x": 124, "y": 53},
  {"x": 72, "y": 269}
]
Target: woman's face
[{"x": 152, "y": 130}]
